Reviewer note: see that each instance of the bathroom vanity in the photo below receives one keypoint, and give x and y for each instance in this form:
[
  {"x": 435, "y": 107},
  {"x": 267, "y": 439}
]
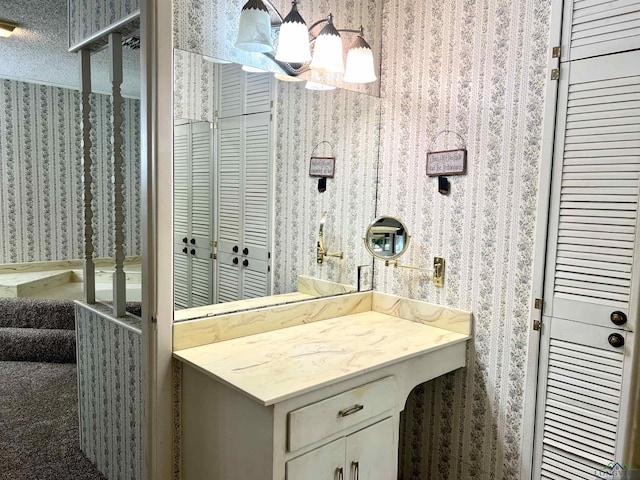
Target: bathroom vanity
[{"x": 311, "y": 390}]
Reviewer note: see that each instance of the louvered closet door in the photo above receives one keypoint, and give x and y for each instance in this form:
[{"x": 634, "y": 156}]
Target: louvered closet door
[
  {"x": 181, "y": 215},
  {"x": 580, "y": 401},
  {"x": 229, "y": 182},
  {"x": 593, "y": 220},
  {"x": 243, "y": 93},
  {"x": 257, "y": 191},
  {"x": 600, "y": 27},
  {"x": 201, "y": 214}
]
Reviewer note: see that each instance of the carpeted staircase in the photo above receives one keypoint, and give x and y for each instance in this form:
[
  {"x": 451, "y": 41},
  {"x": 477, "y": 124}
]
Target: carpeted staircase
[{"x": 39, "y": 436}]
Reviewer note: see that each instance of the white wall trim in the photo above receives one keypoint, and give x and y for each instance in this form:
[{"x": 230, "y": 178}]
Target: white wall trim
[
  {"x": 540, "y": 245},
  {"x": 157, "y": 200}
]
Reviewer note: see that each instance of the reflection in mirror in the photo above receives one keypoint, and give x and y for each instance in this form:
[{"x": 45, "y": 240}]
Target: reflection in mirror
[
  {"x": 387, "y": 238},
  {"x": 246, "y": 208},
  {"x": 214, "y": 38}
]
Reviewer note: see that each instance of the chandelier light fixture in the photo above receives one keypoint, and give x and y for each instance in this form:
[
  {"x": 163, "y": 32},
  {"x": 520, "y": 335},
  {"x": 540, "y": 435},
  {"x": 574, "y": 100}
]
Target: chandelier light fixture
[{"x": 298, "y": 48}]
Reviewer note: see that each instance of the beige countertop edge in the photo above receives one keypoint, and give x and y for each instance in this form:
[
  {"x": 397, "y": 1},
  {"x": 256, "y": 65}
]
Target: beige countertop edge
[
  {"x": 271, "y": 400},
  {"x": 281, "y": 398}
]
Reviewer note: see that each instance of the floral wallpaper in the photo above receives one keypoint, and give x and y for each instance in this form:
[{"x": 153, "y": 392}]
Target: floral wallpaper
[
  {"x": 87, "y": 17},
  {"x": 41, "y": 201},
  {"x": 336, "y": 123},
  {"x": 110, "y": 390},
  {"x": 476, "y": 68}
]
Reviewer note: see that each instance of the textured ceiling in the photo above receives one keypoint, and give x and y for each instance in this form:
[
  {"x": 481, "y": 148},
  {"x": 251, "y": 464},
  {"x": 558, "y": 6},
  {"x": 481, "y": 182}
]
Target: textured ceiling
[{"x": 37, "y": 51}]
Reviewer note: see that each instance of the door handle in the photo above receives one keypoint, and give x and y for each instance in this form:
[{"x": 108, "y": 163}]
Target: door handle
[
  {"x": 355, "y": 468},
  {"x": 235, "y": 261},
  {"x": 245, "y": 262},
  {"x": 184, "y": 240},
  {"x": 185, "y": 250},
  {"x": 193, "y": 251},
  {"x": 235, "y": 249},
  {"x": 616, "y": 340},
  {"x": 618, "y": 318},
  {"x": 193, "y": 241},
  {"x": 245, "y": 251}
]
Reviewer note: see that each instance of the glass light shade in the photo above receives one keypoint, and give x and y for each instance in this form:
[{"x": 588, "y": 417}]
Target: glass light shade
[
  {"x": 293, "y": 43},
  {"x": 327, "y": 52},
  {"x": 360, "y": 64},
  {"x": 254, "y": 29},
  {"x": 287, "y": 78},
  {"x": 318, "y": 86}
]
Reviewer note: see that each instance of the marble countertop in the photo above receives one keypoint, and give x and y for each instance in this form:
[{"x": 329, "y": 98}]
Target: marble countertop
[{"x": 277, "y": 365}]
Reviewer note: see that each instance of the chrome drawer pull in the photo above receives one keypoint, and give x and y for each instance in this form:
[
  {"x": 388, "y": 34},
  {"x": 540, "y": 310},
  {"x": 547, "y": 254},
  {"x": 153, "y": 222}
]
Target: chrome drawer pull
[
  {"x": 350, "y": 410},
  {"x": 355, "y": 467},
  {"x": 339, "y": 472}
]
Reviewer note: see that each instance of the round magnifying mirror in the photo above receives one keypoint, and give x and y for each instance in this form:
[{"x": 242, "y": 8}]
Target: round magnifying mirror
[{"x": 387, "y": 238}]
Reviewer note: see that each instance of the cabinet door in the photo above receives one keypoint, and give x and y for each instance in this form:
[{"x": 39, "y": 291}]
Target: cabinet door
[
  {"x": 580, "y": 400},
  {"x": 370, "y": 455},
  {"x": 324, "y": 463}
]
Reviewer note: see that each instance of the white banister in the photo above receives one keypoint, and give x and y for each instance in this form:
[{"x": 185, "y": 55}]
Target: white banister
[
  {"x": 84, "y": 57},
  {"x": 119, "y": 278}
]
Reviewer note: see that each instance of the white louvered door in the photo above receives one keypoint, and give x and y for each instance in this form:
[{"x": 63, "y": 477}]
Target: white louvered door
[
  {"x": 244, "y": 155},
  {"x": 193, "y": 214},
  {"x": 597, "y": 171},
  {"x": 584, "y": 376},
  {"x": 582, "y": 388},
  {"x": 600, "y": 27}
]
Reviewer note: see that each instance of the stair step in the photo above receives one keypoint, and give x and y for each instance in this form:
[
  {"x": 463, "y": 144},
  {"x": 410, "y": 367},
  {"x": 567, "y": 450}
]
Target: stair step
[{"x": 27, "y": 284}]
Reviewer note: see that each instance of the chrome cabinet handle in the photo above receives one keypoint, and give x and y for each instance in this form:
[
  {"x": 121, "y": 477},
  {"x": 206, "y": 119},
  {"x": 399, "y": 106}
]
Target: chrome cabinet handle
[
  {"x": 351, "y": 410},
  {"x": 355, "y": 468},
  {"x": 340, "y": 473}
]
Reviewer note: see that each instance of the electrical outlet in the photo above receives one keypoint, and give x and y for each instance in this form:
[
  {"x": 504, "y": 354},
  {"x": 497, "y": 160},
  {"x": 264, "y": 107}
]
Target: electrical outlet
[{"x": 365, "y": 278}]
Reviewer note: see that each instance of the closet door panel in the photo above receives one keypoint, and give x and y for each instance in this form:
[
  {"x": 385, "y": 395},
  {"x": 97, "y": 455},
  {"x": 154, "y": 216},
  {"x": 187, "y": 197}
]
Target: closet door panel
[
  {"x": 257, "y": 189},
  {"x": 600, "y": 27},
  {"x": 229, "y": 181},
  {"x": 593, "y": 230},
  {"x": 580, "y": 399}
]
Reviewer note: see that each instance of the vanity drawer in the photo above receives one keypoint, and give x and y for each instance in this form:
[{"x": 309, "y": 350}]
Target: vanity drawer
[{"x": 319, "y": 420}]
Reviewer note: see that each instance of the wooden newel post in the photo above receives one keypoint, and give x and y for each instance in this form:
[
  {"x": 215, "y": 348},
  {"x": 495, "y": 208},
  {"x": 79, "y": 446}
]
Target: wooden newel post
[
  {"x": 119, "y": 278},
  {"x": 84, "y": 57}
]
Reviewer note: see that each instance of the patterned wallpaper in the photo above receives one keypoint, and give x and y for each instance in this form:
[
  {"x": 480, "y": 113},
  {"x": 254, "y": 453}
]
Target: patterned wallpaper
[
  {"x": 349, "y": 122},
  {"x": 40, "y": 174},
  {"x": 110, "y": 390},
  {"x": 476, "y": 68},
  {"x": 193, "y": 87},
  {"x": 87, "y": 17}
]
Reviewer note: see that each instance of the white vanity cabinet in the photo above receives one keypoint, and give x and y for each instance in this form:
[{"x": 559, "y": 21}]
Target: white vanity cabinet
[
  {"x": 364, "y": 455},
  {"x": 317, "y": 400}
]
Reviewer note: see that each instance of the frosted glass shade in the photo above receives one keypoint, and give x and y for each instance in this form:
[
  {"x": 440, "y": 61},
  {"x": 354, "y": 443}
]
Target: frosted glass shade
[
  {"x": 360, "y": 64},
  {"x": 327, "y": 52},
  {"x": 318, "y": 86},
  {"x": 293, "y": 44},
  {"x": 254, "y": 29}
]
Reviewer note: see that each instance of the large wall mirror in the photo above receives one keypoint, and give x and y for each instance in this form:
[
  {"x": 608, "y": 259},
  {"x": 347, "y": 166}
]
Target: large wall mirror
[{"x": 247, "y": 213}]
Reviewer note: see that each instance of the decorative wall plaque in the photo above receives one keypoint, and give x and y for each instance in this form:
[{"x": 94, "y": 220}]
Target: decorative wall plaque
[
  {"x": 447, "y": 162},
  {"x": 322, "y": 167}
]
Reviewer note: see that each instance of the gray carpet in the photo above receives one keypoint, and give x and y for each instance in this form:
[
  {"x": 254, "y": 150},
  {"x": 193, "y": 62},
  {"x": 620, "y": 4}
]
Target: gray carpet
[{"x": 39, "y": 423}]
